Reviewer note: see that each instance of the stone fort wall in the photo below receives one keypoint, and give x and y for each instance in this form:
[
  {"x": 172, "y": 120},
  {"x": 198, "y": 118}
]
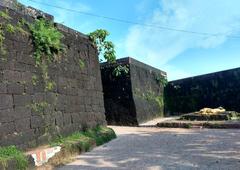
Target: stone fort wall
[
  {"x": 75, "y": 102},
  {"x": 210, "y": 90},
  {"x": 135, "y": 97}
]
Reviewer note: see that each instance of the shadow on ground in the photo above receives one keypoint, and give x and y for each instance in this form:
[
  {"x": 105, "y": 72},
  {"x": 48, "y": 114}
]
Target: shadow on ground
[{"x": 156, "y": 149}]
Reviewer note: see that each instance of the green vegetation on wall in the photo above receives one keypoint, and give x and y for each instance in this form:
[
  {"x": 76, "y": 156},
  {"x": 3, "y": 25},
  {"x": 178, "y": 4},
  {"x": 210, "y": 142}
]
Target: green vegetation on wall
[
  {"x": 161, "y": 80},
  {"x": 81, "y": 64},
  {"x": 48, "y": 47},
  {"x": 6, "y": 26},
  {"x": 151, "y": 96},
  {"x": 120, "y": 70},
  {"x": 47, "y": 42},
  {"x": 39, "y": 107}
]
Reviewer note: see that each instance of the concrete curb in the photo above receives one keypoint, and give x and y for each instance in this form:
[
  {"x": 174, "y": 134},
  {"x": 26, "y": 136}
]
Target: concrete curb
[{"x": 209, "y": 125}]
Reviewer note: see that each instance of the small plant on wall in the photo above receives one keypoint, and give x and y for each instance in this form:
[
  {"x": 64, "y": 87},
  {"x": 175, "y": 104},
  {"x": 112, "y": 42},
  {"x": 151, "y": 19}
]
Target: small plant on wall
[
  {"x": 48, "y": 47},
  {"x": 6, "y": 26},
  {"x": 120, "y": 70},
  {"x": 107, "y": 49},
  {"x": 161, "y": 80},
  {"x": 81, "y": 64},
  {"x": 47, "y": 41}
]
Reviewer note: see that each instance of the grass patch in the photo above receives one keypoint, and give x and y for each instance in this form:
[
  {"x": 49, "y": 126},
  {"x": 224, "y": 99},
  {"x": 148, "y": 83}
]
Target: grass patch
[
  {"x": 80, "y": 142},
  {"x": 100, "y": 134},
  {"x": 11, "y": 153},
  {"x": 12, "y": 158},
  {"x": 87, "y": 139},
  {"x": 78, "y": 138}
]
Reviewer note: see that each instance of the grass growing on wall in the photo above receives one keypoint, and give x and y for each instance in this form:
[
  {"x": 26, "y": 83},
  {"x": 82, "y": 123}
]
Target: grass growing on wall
[{"x": 12, "y": 153}]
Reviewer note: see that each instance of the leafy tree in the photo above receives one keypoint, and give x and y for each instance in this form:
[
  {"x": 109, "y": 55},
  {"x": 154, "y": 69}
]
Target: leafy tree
[{"x": 107, "y": 49}]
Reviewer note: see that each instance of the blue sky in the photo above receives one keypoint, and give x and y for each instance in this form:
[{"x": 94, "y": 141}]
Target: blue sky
[{"x": 179, "y": 54}]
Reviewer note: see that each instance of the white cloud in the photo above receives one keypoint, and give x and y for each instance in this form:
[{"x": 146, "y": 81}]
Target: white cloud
[
  {"x": 143, "y": 5},
  {"x": 63, "y": 16},
  {"x": 157, "y": 47},
  {"x": 73, "y": 19}
]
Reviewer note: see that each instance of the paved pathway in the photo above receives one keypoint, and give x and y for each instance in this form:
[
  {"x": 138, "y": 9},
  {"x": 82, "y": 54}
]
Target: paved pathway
[
  {"x": 162, "y": 149},
  {"x": 157, "y": 120}
]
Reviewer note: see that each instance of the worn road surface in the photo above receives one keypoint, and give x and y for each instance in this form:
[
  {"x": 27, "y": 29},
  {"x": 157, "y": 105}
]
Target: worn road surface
[{"x": 144, "y": 148}]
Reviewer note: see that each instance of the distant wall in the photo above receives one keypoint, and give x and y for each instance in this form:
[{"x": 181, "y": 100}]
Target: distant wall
[
  {"x": 118, "y": 98},
  {"x": 75, "y": 103},
  {"x": 210, "y": 90},
  {"x": 135, "y": 97},
  {"x": 148, "y": 90}
]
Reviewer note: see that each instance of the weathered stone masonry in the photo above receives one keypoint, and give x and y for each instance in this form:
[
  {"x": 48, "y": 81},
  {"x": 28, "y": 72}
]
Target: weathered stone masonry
[
  {"x": 210, "y": 90},
  {"x": 75, "y": 103},
  {"x": 135, "y": 97}
]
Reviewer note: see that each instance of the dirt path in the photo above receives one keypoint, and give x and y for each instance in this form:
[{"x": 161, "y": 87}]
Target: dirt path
[{"x": 162, "y": 149}]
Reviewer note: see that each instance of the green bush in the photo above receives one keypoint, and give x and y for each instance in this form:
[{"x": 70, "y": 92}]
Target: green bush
[
  {"x": 46, "y": 40},
  {"x": 86, "y": 139},
  {"x": 48, "y": 47},
  {"x": 100, "y": 134},
  {"x": 12, "y": 153}
]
